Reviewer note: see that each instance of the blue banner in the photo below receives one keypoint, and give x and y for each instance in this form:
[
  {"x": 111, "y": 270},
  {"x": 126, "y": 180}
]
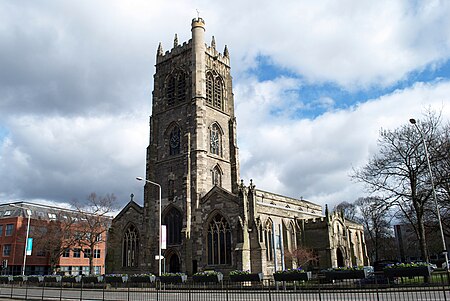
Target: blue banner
[{"x": 29, "y": 246}]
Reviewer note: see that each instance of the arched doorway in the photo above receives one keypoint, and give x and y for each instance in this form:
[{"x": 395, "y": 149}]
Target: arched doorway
[
  {"x": 174, "y": 264},
  {"x": 339, "y": 258}
]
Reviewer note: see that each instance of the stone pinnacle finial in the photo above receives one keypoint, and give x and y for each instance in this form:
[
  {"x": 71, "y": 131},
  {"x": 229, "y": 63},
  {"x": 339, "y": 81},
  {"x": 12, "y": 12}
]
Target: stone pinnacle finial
[
  {"x": 175, "y": 41},
  {"x": 225, "y": 52},
  {"x": 213, "y": 43},
  {"x": 131, "y": 197},
  {"x": 160, "y": 49}
]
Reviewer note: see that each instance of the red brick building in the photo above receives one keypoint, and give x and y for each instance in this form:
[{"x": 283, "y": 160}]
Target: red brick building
[{"x": 13, "y": 233}]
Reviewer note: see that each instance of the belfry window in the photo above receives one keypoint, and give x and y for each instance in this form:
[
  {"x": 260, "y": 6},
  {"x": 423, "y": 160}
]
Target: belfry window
[
  {"x": 215, "y": 140},
  {"x": 174, "y": 141},
  {"x": 214, "y": 90},
  {"x": 176, "y": 88},
  {"x": 219, "y": 241},
  {"x": 268, "y": 233},
  {"x": 174, "y": 223},
  {"x": 216, "y": 176},
  {"x": 130, "y": 247}
]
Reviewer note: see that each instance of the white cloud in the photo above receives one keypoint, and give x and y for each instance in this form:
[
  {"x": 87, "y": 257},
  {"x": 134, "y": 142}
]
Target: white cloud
[{"x": 314, "y": 158}]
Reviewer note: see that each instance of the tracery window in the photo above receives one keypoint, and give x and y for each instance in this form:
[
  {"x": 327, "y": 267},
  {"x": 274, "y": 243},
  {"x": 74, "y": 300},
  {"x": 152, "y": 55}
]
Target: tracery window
[
  {"x": 219, "y": 241},
  {"x": 216, "y": 176},
  {"x": 176, "y": 88},
  {"x": 174, "y": 222},
  {"x": 130, "y": 247},
  {"x": 174, "y": 141},
  {"x": 268, "y": 239},
  {"x": 214, "y": 90},
  {"x": 215, "y": 140}
]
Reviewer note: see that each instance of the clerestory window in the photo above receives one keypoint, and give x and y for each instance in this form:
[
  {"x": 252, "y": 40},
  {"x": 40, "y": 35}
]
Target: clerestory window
[{"x": 174, "y": 141}]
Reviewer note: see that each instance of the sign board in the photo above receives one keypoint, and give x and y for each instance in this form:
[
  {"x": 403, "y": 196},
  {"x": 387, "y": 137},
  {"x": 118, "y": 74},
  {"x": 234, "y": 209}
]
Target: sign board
[
  {"x": 29, "y": 246},
  {"x": 157, "y": 257},
  {"x": 163, "y": 237}
]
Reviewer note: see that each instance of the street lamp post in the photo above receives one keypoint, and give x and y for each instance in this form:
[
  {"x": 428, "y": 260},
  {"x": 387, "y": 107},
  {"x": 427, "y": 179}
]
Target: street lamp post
[
  {"x": 159, "y": 244},
  {"x": 438, "y": 212},
  {"x": 28, "y": 212}
]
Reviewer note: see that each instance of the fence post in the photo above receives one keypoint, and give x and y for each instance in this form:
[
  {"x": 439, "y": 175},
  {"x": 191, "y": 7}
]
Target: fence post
[
  {"x": 26, "y": 290},
  {"x": 320, "y": 295},
  {"x": 60, "y": 289},
  {"x": 270, "y": 296},
  {"x": 12, "y": 288},
  {"x": 43, "y": 289},
  {"x": 81, "y": 289},
  {"x": 128, "y": 297}
]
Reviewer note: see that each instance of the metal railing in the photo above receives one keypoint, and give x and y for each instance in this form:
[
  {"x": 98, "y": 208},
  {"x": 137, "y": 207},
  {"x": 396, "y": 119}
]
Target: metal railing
[{"x": 319, "y": 289}]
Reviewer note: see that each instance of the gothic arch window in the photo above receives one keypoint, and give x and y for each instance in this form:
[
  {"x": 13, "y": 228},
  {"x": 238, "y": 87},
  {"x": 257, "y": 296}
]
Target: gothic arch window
[
  {"x": 174, "y": 141},
  {"x": 174, "y": 222},
  {"x": 171, "y": 190},
  {"x": 176, "y": 88},
  {"x": 215, "y": 136},
  {"x": 214, "y": 90},
  {"x": 268, "y": 239},
  {"x": 216, "y": 176},
  {"x": 219, "y": 241},
  {"x": 130, "y": 247}
]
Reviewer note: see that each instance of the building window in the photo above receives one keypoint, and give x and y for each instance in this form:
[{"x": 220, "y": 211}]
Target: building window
[
  {"x": 9, "y": 229},
  {"x": 174, "y": 141},
  {"x": 6, "y": 250},
  {"x": 41, "y": 253},
  {"x": 7, "y": 213},
  {"x": 217, "y": 176},
  {"x": 176, "y": 88},
  {"x": 215, "y": 140},
  {"x": 66, "y": 253},
  {"x": 98, "y": 238},
  {"x": 97, "y": 270},
  {"x": 268, "y": 238},
  {"x": 219, "y": 241},
  {"x": 214, "y": 90},
  {"x": 52, "y": 216},
  {"x": 77, "y": 253},
  {"x": 174, "y": 223},
  {"x": 85, "y": 270},
  {"x": 87, "y": 253},
  {"x": 130, "y": 247},
  {"x": 76, "y": 270},
  {"x": 97, "y": 253},
  {"x": 1, "y": 230}
]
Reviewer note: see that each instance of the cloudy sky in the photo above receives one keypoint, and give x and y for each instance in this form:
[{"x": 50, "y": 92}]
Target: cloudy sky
[{"x": 314, "y": 82}]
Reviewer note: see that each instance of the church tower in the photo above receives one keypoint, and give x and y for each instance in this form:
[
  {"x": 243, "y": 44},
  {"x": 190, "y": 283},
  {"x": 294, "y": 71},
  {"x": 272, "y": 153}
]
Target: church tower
[{"x": 192, "y": 146}]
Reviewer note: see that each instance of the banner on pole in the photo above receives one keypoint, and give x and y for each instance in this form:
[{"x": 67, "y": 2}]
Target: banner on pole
[
  {"x": 29, "y": 246},
  {"x": 163, "y": 237}
]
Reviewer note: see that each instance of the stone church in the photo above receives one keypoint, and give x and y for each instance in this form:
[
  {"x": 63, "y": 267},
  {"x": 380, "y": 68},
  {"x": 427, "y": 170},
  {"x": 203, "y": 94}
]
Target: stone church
[{"x": 214, "y": 221}]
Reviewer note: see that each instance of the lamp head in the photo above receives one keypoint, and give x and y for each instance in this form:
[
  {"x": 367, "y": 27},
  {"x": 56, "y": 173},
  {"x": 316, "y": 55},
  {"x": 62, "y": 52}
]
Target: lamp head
[
  {"x": 412, "y": 120},
  {"x": 139, "y": 178}
]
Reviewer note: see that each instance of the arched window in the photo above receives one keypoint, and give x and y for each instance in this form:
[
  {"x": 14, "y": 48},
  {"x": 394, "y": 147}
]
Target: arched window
[
  {"x": 181, "y": 87},
  {"x": 174, "y": 223},
  {"x": 269, "y": 240},
  {"x": 209, "y": 88},
  {"x": 215, "y": 140},
  {"x": 176, "y": 88},
  {"x": 219, "y": 241},
  {"x": 174, "y": 141},
  {"x": 214, "y": 90},
  {"x": 171, "y": 190},
  {"x": 130, "y": 247},
  {"x": 216, "y": 176},
  {"x": 171, "y": 91}
]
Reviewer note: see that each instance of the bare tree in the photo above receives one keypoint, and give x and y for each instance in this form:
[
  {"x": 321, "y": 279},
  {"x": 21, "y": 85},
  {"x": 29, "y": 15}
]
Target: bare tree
[
  {"x": 375, "y": 217},
  {"x": 301, "y": 256},
  {"x": 54, "y": 237},
  {"x": 348, "y": 209},
  {"x": 94, "y": 219},
  {"x": 399, "y": 172}
]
